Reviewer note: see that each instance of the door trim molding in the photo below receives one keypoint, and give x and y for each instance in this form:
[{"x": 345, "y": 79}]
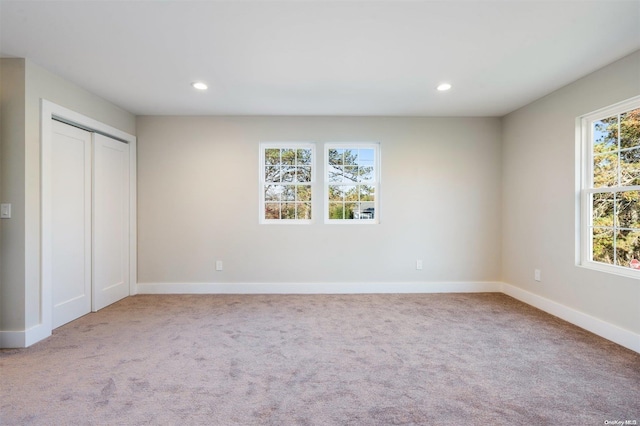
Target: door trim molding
[{"x": 49, "y": 111}]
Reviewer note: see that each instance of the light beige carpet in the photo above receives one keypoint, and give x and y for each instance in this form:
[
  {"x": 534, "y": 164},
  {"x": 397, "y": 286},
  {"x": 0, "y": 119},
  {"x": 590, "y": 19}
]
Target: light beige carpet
[{"x": 435, "y": 359}]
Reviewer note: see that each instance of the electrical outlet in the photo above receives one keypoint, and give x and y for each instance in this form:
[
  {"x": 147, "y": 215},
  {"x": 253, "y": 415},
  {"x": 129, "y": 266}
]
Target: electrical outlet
[
  {"x": 419, "y": 265},
  {"x": 537, "y": 275},
  {"x": 218, "y": 265},
  {"x": 5, "y": 211}
]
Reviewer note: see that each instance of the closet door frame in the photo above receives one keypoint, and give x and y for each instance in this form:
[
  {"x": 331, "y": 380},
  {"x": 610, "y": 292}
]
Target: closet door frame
[{"x": 49, "y": 111}]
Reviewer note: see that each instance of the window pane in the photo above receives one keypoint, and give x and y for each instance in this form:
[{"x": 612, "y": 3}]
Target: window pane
[
  {"x": 602, "y": 245},
  {"x": 628, "y": 209},
  {"x": 288, "y": 211},
  {"x": 336, "y": 156},
  {"x": 365, "y": 174},
  {"x": 335, "y": 173},
  {"x": 627, "y": 247},
  {"x": 288, "y": 193},
  {"x": 367, "y": 193},
  {"x": 602, "y": 212},
  {"x": 303, "y": 174},
  {"x": 364, "y": 211},
  {"x": 272, "y": 211},
  {"x": 288, "y": 173},
  {"x": 336, "y": 211},
  {"x": 365, "y": 157},
  {"x": 350, "y": 193},
  {"x": 288, "y": 156},
  {"x": 630, "y": 129},
  {"x": 605, "y": 135},
  {"x": 272, "y": 174},
  {"x": 272, "y": 192},
  {"x": 349, "y": 208},
  {"x": 630, "y": 167},
  {"x": 272, "y": 156},
  {"x": 351, "y": 157},
  {"x": 605, "y": 170},
  {"x": 303, "y": 193},
  {"x": 303, "y": 210},
  {"x": 303, "y": 157},
  {"x": 335, "y": 193}
]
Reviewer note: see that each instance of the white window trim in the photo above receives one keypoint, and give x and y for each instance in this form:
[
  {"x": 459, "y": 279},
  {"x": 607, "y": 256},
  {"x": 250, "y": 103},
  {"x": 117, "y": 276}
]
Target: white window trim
[
  {"x": 378, "y": 175},
  {"x": 584, "y": 159},
  {"x": 262, "y": 182}
]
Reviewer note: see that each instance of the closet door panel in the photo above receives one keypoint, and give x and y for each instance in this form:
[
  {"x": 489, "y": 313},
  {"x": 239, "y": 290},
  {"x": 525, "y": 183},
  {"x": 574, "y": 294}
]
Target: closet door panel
[
  {"x": 110, "y": 221},
  {"x": 70, "y": 223}
]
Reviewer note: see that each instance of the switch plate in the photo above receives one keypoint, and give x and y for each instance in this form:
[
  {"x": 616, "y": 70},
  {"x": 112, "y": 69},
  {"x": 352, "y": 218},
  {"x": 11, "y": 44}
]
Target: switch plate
[
  {"x": 5, "y": 211},
  {"x": 218, "y": 265},
  {"x": 537, "y": 275},
  {"x": 419, "y": 265}
]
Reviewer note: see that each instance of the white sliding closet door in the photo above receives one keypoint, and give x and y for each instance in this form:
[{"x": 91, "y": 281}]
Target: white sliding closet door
[
  {"x": 110, "y": 221},
  {"x": 70, "y": 223},
  {"x": 89, "y": 209}
]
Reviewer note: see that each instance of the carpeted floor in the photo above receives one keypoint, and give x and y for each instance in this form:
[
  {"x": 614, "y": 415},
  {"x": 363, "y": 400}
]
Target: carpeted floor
[{"x": 430, "y": 359}]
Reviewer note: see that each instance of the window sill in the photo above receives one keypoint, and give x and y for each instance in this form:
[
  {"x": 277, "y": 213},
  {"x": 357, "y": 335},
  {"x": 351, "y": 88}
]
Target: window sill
[{"x": 611, "y": 269}]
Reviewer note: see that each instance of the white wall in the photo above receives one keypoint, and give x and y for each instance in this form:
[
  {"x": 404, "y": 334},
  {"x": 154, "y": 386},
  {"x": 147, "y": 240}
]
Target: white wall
[
  {"x": 539, "y": 193},
  {"x": 198, "y": 202},
  {"x": 21, "y": 278}
]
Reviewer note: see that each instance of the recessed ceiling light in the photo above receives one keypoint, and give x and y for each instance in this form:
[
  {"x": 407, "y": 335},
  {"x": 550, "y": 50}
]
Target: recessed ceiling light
[
  {"x": 444, "y": 87},
  {"x": 199, "y": 85}
]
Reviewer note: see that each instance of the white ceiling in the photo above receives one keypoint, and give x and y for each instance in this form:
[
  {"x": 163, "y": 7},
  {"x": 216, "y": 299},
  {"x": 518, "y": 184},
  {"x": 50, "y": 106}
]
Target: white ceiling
[{"x": 320, "y": 57}]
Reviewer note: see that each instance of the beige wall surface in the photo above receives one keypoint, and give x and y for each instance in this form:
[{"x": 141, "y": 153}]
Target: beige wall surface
[
  {"x": 12, "y": 74},
  {"x": 198, "y": 194},
  {"x": 539, "y": 198},
  {"x": 21, "y": 289}
]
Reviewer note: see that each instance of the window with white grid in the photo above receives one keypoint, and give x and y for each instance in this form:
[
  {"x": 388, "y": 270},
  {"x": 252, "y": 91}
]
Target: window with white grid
[
  {"x": 610, "y": 189},
  {"x": 287, "y": 176},
  {"x": 352, "y": 183}
]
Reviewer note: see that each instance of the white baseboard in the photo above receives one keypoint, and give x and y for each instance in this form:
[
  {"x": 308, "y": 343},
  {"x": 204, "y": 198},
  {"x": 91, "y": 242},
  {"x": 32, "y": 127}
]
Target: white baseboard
[
  {"x": 23, "y": 339},
  {"x": 597, "y": 326},
  {"x": 616, "y": 334},
  {"x": 37, "y": 333},
  {"x": 318, "y": 288},
  {"x": 623, "y": 337}
]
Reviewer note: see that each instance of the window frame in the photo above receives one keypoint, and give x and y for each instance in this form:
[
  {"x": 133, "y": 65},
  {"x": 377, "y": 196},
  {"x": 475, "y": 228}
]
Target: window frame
[
  {"x": 376, "y": 183},
  {"x": 586, "y": 189},
  {"x": 262, "y": 181}
]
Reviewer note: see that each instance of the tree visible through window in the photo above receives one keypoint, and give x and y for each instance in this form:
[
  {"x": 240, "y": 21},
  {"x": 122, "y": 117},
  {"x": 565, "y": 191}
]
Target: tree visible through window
[
  {"x": 287, "y": 175},
  {"x": 352, "y": 182},
  {"x": 612, "y": 195}
]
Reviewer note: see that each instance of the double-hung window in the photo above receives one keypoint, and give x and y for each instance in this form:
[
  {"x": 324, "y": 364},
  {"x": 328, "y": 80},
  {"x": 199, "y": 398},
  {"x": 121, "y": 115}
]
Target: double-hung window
[
  {"x": 352, "y": 183},
  {"x": 287, "y": 176},
  {"x": 610, "y": 189}
]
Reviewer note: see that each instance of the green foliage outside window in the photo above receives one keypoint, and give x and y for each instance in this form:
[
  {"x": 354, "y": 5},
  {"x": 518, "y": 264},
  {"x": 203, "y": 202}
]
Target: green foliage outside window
[
  {"x": 287, "y": 188},
  {"x": 616, "y": 213},
  {"x": 351, "y": 194}
]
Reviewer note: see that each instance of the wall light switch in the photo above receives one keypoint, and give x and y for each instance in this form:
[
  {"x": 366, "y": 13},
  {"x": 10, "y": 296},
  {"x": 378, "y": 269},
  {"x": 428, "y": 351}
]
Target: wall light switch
[
  {"x": 419, "y": 265},
  {"x": 537, "y": 275},
  {"x": 5, "y": 211},
  {"x": 218, "y": 265}
]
